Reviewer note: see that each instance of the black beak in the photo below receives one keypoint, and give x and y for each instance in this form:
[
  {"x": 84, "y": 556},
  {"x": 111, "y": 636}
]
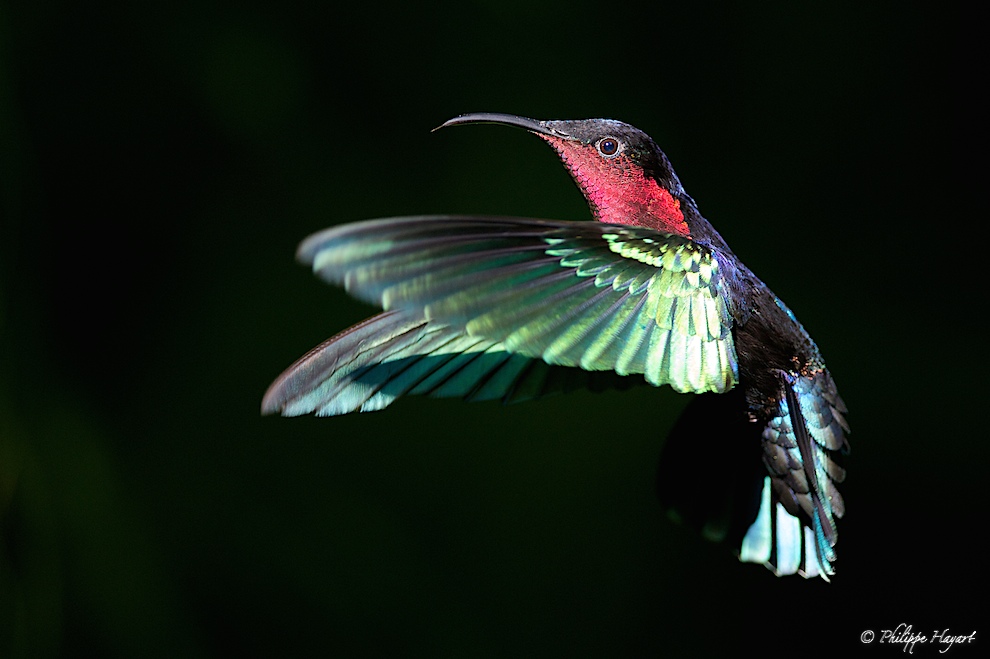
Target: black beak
[{"x": 532, "y": 125}]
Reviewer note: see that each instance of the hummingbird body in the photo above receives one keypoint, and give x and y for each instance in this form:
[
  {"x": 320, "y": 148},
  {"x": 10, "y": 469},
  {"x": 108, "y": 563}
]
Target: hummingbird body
[{"x": 649, "y": 293}]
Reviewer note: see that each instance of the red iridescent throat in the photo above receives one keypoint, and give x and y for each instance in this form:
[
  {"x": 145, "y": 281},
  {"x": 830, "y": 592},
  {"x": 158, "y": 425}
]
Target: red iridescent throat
[{"x": 619, "y": 191}]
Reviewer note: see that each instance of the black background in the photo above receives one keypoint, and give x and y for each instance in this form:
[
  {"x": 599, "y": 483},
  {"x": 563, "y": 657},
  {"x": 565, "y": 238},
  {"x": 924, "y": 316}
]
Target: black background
[{"x": 160, "y": 162}]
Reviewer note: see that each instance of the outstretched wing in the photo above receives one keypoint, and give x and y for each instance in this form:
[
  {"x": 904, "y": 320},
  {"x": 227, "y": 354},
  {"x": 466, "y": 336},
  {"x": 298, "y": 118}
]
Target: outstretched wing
[
  {"x": 368, "y": 366},
  {"x": 596, "y": 296}
]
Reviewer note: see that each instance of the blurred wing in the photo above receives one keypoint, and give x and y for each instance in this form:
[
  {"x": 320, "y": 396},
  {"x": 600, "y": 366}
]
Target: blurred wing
[
  {"x": 581, "y": 294},
  {"x": 370, "y": 365}
]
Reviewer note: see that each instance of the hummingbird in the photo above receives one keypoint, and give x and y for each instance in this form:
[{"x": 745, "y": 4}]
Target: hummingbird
[{"x": 646, "y": 293}]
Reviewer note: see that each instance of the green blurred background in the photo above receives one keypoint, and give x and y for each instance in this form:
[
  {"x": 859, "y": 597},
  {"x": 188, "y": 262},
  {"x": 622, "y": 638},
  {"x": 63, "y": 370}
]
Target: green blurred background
[{"x": 160, "y": 162}]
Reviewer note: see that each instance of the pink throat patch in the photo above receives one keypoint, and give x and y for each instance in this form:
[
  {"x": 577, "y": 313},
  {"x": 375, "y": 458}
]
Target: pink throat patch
[{"x": 618, "y": 190}]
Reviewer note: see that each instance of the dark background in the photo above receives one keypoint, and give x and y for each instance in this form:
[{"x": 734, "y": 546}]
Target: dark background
[{"x": 160, "y": 162}]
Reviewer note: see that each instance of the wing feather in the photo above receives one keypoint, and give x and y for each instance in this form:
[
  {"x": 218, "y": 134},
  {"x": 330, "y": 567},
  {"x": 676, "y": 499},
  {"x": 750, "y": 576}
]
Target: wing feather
[
  {"x": 370, "y": 365},
  {"x": 589, "y": 295}
]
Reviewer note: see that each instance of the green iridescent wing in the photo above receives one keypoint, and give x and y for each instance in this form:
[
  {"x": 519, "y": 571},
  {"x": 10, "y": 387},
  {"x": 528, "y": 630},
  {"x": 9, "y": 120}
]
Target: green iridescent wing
[
  {"x": 368, "y": 366},
  {"x": 578, "y": 294}
]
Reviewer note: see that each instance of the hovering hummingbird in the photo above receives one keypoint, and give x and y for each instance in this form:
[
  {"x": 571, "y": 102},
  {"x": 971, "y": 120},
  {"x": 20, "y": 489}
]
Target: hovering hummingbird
[{"x": 512, "y": 309}]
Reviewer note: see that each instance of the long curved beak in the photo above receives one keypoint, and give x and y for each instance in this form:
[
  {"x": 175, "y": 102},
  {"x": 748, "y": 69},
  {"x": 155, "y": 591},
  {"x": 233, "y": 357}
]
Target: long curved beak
[{"x": 531, "y": 125}]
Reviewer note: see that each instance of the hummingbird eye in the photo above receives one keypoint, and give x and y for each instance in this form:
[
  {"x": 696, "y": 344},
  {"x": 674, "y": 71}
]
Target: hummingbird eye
[{"x": 608, "y": 146}]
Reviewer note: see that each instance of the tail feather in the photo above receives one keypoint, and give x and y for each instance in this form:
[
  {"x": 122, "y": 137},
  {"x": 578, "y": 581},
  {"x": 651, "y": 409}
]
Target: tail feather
[
  {"x": 779, "y": 509},
  {"x": 780, "y": 540},
  {"x": 809, "y": 431}
]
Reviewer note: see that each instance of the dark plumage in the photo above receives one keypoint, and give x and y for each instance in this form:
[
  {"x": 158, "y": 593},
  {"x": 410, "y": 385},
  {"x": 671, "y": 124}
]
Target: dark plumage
[{"x": 513, "y": 309}]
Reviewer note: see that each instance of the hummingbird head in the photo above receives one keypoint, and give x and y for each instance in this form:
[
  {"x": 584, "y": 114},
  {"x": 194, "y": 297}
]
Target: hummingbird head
[{"x": 620, "y": 170}]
